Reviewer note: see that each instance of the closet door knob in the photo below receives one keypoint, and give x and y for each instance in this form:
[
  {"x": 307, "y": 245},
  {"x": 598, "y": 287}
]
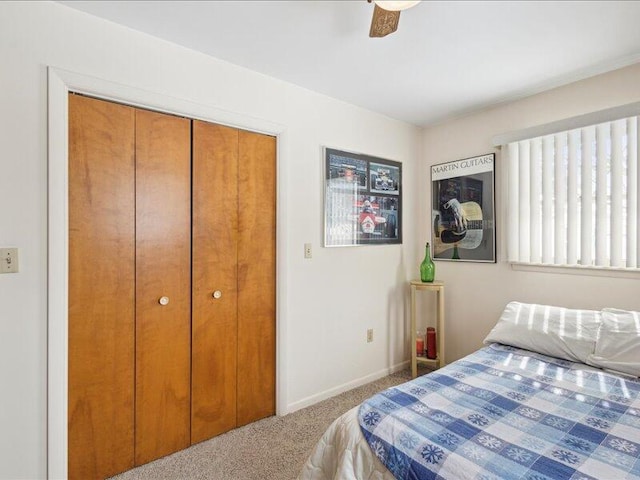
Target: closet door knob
[
  {"x": 217, "y": 294},
  {"x": 163, "y": 301}
]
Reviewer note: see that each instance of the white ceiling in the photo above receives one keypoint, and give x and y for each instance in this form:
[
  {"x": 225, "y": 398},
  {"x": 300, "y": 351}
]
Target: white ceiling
[{"x": 446, "y": 59}]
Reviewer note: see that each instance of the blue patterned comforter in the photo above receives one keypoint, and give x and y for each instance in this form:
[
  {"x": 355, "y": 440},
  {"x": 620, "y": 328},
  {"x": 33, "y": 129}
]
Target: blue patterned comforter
[{"x": 505, "y": 413}]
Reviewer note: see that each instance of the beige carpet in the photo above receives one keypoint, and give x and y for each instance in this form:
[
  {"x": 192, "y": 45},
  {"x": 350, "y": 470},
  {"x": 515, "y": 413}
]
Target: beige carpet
[{"x": 271, "y": 449}]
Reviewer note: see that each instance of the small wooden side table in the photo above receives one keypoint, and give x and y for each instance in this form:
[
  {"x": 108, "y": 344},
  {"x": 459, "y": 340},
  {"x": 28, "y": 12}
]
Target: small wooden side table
[{"x": 437, "y": 287}]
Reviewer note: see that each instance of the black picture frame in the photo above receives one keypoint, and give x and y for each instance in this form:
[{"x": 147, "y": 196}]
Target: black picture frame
[
  {"x": 463, "y": 210},
  {"x": 362, "y": 199}
]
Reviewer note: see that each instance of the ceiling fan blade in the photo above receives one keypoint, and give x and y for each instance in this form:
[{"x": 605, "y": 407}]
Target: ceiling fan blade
[{"x": 383, "y": 22}]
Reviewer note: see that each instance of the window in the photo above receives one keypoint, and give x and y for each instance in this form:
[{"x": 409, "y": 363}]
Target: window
[{"x": 573, "y": 197}]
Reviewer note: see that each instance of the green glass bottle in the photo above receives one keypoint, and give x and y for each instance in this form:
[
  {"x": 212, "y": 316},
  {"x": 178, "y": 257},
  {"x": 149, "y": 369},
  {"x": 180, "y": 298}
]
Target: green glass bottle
[{"x": 427, "y": 267}]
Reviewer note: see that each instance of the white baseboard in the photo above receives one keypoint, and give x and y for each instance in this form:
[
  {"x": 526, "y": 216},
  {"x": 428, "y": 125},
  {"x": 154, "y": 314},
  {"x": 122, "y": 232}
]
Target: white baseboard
[{"x": 332, "y": 392}]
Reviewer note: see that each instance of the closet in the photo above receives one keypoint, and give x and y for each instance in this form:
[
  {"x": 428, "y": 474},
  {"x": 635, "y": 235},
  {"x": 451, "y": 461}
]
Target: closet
[{"x": 171, "y": 283}]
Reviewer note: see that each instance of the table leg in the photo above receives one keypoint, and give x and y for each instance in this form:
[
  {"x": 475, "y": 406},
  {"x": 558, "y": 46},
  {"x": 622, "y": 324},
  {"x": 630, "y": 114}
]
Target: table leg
[
  {"x": 414, "y": 366},
  {"x": 441, "y": 361}
]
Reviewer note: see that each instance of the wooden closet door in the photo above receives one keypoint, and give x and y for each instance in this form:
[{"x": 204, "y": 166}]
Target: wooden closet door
[
  {"x": 163, "y": 269},
  {"x": 101, "y": 288},
  {"x": 256, "y": 276},
  {"x": 215, "y": 256}
]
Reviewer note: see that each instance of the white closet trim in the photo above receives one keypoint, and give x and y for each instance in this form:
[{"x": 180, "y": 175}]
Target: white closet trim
[{"x": 60, "y": 83}]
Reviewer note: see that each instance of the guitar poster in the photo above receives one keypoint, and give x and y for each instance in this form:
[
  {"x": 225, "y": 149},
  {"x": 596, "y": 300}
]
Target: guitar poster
[
  {"x": 463, "y": 211},
  {"x": 363, "y": 199}
]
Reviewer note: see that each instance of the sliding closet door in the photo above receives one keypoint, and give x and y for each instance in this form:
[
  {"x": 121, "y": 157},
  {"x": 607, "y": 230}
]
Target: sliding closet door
[
  {"x": 256, "y": 276},
  {"x": 234, "y": 225},
  {"x": 101, "y": 288},
  {"x": 155, "y": 362},
  {"x": 215, "y": 256},
  {"x": 163, "y": 284}
]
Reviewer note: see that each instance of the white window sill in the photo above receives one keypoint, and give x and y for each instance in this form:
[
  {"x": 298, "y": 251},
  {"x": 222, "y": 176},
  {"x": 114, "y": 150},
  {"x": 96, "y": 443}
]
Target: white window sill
[{"x": 577, "y": 270}]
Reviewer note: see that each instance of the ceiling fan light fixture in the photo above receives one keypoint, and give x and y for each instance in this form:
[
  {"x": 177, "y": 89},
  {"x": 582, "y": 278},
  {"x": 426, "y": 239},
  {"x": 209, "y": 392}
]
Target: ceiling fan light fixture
[{"x": 396, "y": 5}]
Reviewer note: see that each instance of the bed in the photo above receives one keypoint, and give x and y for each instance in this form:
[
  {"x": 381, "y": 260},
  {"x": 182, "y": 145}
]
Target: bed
[{"x": 505, "y": 411}]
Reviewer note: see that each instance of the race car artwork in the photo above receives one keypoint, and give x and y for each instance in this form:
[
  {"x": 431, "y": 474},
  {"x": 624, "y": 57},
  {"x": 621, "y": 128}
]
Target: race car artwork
[
  {"x": 368, "y": 219},
  {"x": 377, "y": 217},
  {"x": 363, "y": 199},
  {"x": 382, "y": 181},
  {"x": 384, "y": 178}
]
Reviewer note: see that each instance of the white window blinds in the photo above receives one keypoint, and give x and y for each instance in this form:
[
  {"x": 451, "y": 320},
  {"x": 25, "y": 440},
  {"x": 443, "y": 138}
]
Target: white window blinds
[{"x": 573, "y": 197}]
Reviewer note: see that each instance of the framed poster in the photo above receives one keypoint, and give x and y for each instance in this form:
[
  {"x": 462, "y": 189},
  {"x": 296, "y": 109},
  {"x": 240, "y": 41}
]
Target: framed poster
[
  {"x": 463, "y": 211},
  {"x": 362, "y": 199}
]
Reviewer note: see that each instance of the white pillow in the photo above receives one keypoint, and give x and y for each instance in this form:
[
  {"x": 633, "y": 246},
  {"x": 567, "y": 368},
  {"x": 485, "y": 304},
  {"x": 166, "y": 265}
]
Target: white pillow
[
  {"x": 559, "y": 332},
  {"x": 618, "y": 345}
]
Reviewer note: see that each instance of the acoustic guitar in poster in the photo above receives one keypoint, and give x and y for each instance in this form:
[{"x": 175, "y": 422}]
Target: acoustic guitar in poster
[{"x": 465, "y": 230}]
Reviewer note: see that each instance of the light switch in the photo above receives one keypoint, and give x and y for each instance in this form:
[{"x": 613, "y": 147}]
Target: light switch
[{"x": 8, "y": 260}]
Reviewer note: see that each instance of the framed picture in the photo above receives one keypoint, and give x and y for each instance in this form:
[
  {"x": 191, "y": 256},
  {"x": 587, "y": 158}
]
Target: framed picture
[
  {"x": 362, "y": 199},
  {"x": 463, "y": 212}
]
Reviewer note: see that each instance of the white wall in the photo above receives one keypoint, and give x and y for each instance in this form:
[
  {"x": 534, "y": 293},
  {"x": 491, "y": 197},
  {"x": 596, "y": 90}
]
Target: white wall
[
  {"x": 477, "y": 293},
  {"x": 331, "y": 299}
]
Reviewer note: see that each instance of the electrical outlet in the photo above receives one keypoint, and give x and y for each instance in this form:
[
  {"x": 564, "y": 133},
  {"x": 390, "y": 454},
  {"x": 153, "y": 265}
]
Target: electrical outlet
[
  {"x": 307, "y": 250},
  {"x": 8, "y": 260},
  {"x": 370, "y": 335}
]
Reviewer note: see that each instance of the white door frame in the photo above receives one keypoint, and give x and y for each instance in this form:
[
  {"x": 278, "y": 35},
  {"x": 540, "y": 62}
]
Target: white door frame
[{"x": 60, "y": 83}]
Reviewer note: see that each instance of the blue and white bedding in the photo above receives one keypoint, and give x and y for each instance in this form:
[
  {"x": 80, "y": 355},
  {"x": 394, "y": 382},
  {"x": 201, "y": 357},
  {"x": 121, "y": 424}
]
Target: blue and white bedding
[{"x": 506, "y": 413}]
